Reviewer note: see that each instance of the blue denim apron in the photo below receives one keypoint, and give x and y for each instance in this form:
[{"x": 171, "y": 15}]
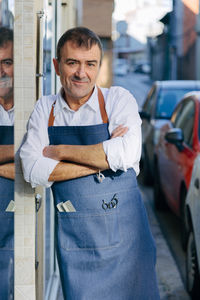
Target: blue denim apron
[
  {"x": 105, "y": 249},
  {"x": 6, "y": 226}
]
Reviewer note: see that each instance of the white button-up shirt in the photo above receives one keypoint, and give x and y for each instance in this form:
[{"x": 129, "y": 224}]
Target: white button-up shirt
[
  {"x": 122, "y": 152},
  {"x": 6, "y": 116}
]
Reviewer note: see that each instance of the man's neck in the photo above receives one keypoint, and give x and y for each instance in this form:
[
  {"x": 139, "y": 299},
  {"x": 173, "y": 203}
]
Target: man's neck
[
  {"x": 75, "y": 103},
  {"x": 7, "y": 103}
]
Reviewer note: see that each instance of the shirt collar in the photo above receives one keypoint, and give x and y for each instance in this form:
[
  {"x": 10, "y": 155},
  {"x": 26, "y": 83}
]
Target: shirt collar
[
  {"x": 62, "y": 104},
  {"x": 8, "y": 111},
  {"x": 6, "y": 116},
  {"x": 11, "y": 110}
]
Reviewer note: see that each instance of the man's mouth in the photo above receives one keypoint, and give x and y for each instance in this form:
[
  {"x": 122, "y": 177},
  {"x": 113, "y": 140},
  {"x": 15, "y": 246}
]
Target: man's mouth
[
  {"x": 6, "y": 82},
  {"x": 80, "y": 81}
]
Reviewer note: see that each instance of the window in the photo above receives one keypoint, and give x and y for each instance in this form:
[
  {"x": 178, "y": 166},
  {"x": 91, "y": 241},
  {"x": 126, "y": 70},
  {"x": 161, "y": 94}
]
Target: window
[
  {"x": 150, "y": 101},
  {"x": 185, "y": 120},
  {"x": 167, "y": 101}
]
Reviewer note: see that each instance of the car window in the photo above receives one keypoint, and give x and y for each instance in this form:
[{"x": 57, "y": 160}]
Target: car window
[
  {"x": 167, "y": 100},
  {"x": 185, "y": 121},
  {"x": 176, "y": 113},
  {"x": 150, "y": 101}
]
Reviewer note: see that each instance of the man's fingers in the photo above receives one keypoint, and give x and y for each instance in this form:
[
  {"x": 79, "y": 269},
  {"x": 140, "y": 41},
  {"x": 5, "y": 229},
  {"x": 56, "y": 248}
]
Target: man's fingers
[
  {"x": 119, "y": 131},
  {"x": 51, "y": 152},
  {"x": 45, "y": 151}
]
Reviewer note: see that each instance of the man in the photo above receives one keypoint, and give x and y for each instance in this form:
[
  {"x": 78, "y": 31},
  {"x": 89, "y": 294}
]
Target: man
[
  {"x": 85, "y": 142},
  {"x": 6, "y": 164},
  {"x": 6, "y": 99}
]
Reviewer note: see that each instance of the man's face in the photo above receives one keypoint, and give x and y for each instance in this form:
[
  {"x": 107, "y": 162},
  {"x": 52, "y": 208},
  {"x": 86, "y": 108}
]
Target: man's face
[
  {"x": 6, "y": 71},
  {"x": 78, "y": 70}
]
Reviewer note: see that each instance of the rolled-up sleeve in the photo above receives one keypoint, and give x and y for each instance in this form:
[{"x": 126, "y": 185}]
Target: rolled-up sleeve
[
  {"x": 36, "y": 167},
  {"x": 124, "y": 152}
]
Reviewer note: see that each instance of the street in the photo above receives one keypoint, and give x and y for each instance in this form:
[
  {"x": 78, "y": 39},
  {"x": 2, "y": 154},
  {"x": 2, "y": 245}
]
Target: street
[
  {"x": 164, "y": 225},
  {"x": 170, "y": 256}
]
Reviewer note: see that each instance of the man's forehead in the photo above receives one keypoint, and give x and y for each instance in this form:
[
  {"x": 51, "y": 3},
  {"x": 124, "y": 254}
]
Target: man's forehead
[
  {"x": 7, "y": 47},
  {"x": 7, "y": 44},
  {"x": 71, "y": 46}
]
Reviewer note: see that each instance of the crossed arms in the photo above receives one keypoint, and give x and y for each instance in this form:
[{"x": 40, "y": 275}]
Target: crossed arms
[
  {"x": 43, "y": 164},
  {"x": 77, "y": 161},
  {"x": 7, "y": 167}
]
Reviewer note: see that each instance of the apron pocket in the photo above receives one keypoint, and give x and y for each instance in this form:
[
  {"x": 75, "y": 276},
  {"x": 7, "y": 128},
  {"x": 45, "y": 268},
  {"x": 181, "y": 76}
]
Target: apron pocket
[
  {"x": 79, "y": 231},
  {"x": 7, "y": 230}
]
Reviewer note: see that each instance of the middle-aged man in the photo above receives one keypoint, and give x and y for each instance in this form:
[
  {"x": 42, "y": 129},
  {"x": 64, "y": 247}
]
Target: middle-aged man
[
  {"x": 85, "y": 142},
  {"x": 6, "y": 165}
]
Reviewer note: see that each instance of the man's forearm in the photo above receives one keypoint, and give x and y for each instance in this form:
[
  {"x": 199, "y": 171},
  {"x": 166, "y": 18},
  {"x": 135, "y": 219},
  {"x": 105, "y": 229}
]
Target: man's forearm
[
  {"x": 87, "y": 155},
  {"x": 7, "y": 170},
  {"x": 66, "y": 171},
  {"x": 90, "y": 155},
  {"x": 6, "y": 153}
]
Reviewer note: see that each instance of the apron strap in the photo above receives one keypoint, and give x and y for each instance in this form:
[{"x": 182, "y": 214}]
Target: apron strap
[
  {"x": 51, "y": 116},
  {"x": 104, "y": 115},
  {"x": 103, "y": 112}
]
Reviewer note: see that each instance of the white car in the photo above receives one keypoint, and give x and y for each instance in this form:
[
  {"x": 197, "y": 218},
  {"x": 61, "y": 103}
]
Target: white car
[{"x": 193, "y": 244}]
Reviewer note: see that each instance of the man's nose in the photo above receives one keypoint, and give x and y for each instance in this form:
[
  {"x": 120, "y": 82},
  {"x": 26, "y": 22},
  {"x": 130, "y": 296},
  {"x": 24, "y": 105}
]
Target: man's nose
[{"x": 81, "y": 72}]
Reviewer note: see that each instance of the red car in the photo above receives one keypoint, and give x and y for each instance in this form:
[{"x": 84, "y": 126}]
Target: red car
[{"x": 178, "y": 146}]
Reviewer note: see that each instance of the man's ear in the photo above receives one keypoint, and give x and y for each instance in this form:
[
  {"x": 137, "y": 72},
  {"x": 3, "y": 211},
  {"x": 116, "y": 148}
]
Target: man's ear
[{"x": 56, "y": 66}]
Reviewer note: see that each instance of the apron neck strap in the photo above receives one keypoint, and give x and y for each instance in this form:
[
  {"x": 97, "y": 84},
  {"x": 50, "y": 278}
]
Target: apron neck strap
[
  {"x": 51, "y": 116},
  {"x": 103, "y": 112}
]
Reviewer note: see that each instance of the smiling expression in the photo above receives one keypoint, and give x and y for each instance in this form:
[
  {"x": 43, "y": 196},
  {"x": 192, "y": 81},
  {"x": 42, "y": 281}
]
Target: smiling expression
[
  {"x": 6, "y": 71},
  {"x": 78, "y": 69}
]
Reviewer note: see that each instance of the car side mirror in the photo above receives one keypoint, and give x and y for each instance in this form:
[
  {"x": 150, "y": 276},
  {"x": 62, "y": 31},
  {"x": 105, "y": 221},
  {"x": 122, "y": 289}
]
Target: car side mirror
[
  {"x": 175, "y": 136},
  {"x": 144, "y": 115}
]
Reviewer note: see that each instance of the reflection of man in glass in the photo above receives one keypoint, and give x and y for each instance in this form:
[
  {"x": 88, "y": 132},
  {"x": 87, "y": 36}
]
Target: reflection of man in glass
[
  {"x": 6, "y": 164},
  {"x": 6, "y": 99}
]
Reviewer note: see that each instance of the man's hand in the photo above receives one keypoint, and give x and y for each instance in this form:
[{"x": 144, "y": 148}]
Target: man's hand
[
  {"x": 54, "y": 152},
  {"x": 119, "y": 131}
]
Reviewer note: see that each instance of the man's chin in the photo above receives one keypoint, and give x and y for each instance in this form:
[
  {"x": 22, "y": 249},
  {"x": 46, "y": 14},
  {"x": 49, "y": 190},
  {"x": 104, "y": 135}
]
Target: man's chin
[
  {"x": 81, "y": 92},
  {"x": 6, "y": 94}
]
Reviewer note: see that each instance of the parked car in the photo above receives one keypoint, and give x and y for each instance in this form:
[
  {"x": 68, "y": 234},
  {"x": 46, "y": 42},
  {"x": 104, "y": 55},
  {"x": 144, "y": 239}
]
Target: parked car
[
  {"x": 157, "y": 108},
  {"x": 176, "y": 150},
  {"x": 193, "y": 242},
  {"x": 144, "y": 68}
]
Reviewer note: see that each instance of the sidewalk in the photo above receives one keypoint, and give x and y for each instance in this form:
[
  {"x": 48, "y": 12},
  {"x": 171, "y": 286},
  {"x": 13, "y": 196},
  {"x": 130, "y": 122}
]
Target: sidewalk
[
  {"x": 138, "y": 84},
  {"x": 170, "y": 283}
]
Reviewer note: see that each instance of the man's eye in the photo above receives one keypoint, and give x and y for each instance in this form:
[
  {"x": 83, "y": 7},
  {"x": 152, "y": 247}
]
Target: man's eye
[
  {"x": 71, "y": 63},
  {"x": 7, "y": 62},
  {"x": 91, "y": 64}
]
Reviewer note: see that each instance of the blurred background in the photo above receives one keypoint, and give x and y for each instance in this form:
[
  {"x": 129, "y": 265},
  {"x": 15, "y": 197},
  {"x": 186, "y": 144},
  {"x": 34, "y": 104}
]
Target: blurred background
[{"x": 151, "y": 48}]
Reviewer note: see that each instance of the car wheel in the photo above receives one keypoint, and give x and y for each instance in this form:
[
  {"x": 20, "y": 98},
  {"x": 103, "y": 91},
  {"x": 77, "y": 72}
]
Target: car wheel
[
  {"x": 184, "y": 227},
  {"x": 192, "y": 271},
  {"x": 159, "y": 200}
]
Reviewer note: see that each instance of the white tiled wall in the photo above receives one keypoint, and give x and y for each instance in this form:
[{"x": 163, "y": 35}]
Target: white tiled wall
[{"x": 25, "y": 65}]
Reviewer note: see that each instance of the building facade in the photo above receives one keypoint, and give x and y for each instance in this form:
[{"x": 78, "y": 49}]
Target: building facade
[{"x": 178, "y": 46}]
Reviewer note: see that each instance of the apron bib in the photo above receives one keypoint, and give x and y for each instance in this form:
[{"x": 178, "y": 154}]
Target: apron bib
[
  {"x": 105, "y": 249},
  {"x": 6, "y": 226}
]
